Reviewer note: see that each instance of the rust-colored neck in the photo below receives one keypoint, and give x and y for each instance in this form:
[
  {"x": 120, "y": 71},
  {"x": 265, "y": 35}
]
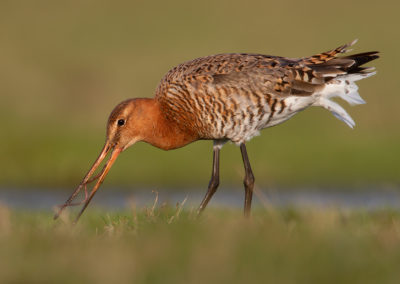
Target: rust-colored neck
[{"x": 159, "y": 131}]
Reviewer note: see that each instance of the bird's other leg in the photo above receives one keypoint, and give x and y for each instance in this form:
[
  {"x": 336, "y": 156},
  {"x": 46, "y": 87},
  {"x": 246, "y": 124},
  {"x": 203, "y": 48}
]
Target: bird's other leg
[
  {"x": 214, "y": 181},
  {"x": 248, "y": 181}
]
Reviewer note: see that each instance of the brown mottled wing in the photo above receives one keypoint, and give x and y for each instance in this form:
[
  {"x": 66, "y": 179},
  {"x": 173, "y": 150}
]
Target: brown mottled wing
[
  {"x": 272, "y": 75},
  {"x": 275, "y": 76}
]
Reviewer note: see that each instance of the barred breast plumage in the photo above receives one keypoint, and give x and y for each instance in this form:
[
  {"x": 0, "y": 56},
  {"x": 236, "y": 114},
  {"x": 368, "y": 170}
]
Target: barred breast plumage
[{"x": 234, "y": 96}]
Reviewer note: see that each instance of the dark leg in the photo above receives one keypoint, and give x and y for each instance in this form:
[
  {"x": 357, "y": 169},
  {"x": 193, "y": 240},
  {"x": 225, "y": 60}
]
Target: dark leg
[
  {"x": 214, "y": 182},
  {"x": 248, "y": 181}
]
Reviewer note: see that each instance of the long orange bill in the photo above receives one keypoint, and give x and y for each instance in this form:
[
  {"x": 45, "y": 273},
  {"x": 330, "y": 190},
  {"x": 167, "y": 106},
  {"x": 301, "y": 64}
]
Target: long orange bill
[{"x": 87, "y": 179}]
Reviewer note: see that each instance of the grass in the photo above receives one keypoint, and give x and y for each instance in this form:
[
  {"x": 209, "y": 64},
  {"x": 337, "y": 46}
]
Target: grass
[{"x": 166, "y": 245}]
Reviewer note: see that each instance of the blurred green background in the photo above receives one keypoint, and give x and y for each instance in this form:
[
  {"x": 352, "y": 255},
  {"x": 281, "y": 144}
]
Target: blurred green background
[{"x": 64, "y": 65}]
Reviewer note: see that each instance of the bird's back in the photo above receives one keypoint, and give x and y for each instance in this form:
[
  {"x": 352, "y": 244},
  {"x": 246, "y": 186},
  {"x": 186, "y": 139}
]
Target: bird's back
[{"x": 234, "y": 96}]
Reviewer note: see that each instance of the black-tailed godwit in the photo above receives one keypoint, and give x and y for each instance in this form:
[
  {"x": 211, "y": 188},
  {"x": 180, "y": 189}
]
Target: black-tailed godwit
[{"x": 229, "y": 97}]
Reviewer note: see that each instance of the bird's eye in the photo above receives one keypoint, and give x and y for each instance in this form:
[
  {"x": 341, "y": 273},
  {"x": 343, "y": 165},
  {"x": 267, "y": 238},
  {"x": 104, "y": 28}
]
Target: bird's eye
[{"x": 121, "y": 122}]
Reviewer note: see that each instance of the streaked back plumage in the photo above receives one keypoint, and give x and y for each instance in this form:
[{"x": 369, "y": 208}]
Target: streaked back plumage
[{"x": 234, "y": 96}]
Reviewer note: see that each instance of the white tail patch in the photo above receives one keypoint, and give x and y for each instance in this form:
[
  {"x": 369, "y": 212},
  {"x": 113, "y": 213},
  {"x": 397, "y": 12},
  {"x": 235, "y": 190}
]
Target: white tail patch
[{"x": 344, "y": 87}]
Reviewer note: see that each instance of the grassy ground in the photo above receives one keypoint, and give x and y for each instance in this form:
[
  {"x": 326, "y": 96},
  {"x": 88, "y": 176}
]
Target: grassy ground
[
  {"x": 166, "y": 245},
  {"x": 65, "y": 65}
]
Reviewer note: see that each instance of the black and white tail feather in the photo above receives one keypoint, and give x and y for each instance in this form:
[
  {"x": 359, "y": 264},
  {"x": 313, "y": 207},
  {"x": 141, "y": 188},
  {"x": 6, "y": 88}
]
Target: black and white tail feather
[{"x": 341, "y": 74}]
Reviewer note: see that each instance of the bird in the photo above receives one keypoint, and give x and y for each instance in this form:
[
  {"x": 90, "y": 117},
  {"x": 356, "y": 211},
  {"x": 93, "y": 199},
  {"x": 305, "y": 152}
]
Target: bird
[{"x": 229, "y": 97}]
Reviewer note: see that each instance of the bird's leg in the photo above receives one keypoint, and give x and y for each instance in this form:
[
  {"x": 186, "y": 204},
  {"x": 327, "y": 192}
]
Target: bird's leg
[
  {"x": 248, "y": 181},
  {"x": 214, "y": 181}
]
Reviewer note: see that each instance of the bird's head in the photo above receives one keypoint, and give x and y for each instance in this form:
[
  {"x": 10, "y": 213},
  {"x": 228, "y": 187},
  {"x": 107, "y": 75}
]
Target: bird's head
[
  {"x": 131, "y": 121},
  {"x": 124, "y": 124},
  {"x": 124, "y": 128}
]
